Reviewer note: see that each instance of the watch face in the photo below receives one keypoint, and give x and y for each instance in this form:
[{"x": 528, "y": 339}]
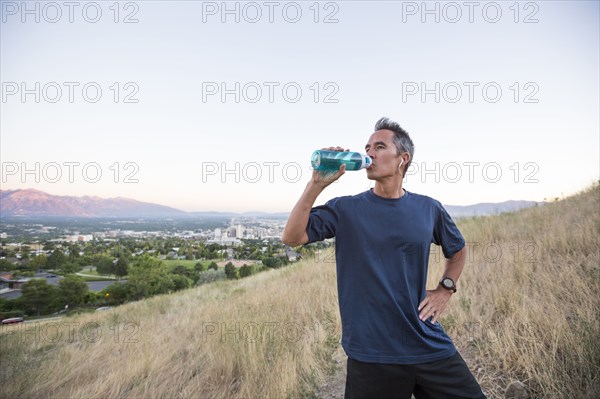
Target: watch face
[{"x": 447, "y": 283}]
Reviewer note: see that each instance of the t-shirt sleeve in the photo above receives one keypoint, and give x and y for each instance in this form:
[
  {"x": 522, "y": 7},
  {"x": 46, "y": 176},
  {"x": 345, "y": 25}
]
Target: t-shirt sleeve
[
  {"x": 445, "y": 232},
  {"x": 322, "y": 222}
]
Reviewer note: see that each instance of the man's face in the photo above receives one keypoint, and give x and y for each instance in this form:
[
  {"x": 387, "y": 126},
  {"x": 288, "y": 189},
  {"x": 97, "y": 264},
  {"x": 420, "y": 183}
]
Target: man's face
[{"x": 382, "y": 150}]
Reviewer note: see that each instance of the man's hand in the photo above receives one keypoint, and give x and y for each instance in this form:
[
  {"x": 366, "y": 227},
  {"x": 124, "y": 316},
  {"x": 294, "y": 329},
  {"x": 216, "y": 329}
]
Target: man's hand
[
  {"x": 323, "y": 179},
  {"x": 295, "y": 233},
  {"x": 434, "y": 304}
]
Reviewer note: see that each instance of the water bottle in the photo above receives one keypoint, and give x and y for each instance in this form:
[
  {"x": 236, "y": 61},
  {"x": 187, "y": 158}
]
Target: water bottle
[{"x": 324, "y": 160}]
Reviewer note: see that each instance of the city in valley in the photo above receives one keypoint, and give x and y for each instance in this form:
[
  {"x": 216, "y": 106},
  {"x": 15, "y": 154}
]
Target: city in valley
[{"x": 55, "y": 265}]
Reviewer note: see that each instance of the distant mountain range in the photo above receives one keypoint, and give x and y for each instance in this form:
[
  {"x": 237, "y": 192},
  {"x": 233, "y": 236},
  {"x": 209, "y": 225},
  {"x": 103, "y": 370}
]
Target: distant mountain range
[
  {"x": 31, "y": 203},
  {"x": 488, "y": 208}
]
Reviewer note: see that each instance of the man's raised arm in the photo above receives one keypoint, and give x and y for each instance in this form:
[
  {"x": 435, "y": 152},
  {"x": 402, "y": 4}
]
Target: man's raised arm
[{"x": 294, "y": 233}]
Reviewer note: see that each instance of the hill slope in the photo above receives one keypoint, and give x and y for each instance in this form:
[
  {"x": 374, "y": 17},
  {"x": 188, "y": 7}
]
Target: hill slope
[
  {"x": 527, "y": 306},
  {"x": 269, "y": 335},
  {"x": 526, "y": 309}
]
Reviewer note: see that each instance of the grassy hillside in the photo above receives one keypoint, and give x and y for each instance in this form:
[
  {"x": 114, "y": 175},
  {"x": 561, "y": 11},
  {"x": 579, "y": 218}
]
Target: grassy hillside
[
  {"x": 527, "y": 309},
  {"x": 263, "y": 336}
]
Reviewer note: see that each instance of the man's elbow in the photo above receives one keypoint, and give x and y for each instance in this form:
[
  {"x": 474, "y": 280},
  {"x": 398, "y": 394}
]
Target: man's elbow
[
  {"x": 459, "y": 255},
  {"x": 293, "y": 240}
]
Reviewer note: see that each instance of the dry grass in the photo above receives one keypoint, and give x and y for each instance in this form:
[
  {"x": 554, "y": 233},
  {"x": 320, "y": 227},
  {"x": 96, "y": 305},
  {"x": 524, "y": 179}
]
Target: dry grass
[
  {"x": 269, "y": 335},
  {"x": 527, "y": 309},
  {"x": 529, "y": 305}
]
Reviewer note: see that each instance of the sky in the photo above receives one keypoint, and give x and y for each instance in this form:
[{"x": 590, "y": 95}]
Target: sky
[{"x": 217, "y": 106}]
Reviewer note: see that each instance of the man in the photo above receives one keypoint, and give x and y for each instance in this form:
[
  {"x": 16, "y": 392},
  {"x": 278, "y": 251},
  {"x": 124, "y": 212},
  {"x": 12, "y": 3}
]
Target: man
[{"x": 390, "y": 333}]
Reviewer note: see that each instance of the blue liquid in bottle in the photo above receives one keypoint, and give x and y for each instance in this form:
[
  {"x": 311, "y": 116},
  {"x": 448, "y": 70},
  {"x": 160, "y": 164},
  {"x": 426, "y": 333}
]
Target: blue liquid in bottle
[{"x": 324, "y": 160}]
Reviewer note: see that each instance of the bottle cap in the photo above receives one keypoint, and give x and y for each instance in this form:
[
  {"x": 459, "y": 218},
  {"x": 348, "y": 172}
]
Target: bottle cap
[
  {"x": 367, "y": 161},
  {"x": 315, "y": 159}
]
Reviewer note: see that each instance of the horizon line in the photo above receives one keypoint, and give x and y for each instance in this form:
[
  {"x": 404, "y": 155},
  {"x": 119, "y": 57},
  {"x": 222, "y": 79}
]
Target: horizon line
[{"x": 249, "y": 211}]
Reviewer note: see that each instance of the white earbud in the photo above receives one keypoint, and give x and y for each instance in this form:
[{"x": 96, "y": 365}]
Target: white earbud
[{"x": 401, "y": 162}]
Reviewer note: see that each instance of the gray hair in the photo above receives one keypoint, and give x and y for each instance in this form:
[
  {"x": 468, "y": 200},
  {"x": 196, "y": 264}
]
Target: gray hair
[{"x": 401, "y": 138}]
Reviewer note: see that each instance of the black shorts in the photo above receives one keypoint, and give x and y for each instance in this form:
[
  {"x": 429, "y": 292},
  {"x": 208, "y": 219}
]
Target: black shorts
[{"x": 448, "y": 378}]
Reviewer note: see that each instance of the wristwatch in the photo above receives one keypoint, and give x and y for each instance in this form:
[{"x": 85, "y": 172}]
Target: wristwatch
[{"x": 448, "y": 284}]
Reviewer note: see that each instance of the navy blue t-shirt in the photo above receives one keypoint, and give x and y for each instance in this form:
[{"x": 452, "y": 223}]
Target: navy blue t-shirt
[{"x": 382, "y": 253}]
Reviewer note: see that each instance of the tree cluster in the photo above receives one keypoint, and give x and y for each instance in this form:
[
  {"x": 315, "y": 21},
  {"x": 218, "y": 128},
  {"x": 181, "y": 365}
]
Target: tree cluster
[{"x": 38, "y": 297}]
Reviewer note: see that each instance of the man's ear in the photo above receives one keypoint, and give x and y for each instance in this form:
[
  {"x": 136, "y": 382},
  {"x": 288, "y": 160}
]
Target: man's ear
[
  {"x": 407, "y": 157},
  {"x": 402, "y": 158}
]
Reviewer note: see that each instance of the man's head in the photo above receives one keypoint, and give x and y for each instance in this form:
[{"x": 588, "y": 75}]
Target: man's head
[{"x": 391, "y": 148}]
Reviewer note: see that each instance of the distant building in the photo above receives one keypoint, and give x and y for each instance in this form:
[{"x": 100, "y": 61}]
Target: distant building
[
  {"x": 291, "y": 254},
  {"x": 4, "y": 277},
  {"x": 79, "y": 238},
  {"x": 227, "y": 241},
  {"x": 6, "y": 281}
]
